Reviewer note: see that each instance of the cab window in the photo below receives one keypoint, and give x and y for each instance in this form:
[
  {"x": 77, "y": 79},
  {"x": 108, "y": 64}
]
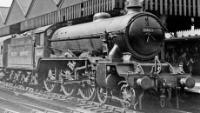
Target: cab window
[
  {"x": 39, "y": 39},
  {"x": 1, "y": 51}
]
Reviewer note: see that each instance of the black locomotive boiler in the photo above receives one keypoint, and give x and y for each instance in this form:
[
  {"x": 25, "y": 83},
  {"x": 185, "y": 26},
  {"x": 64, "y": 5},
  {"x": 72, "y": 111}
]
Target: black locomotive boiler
[{"x": 109, "y": 58}]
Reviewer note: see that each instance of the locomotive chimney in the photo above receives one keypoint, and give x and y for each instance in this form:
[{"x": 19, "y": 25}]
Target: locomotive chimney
[{"x": 134, "y": 6}]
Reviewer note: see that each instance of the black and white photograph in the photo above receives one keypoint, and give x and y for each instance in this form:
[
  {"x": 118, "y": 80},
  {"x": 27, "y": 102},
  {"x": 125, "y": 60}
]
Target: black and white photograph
[{"x": 99, "y": 56}]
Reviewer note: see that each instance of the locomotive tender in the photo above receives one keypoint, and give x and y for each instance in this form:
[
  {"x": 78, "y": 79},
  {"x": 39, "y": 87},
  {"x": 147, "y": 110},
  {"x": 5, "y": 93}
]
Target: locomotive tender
[{"x": 111, "y": 58}]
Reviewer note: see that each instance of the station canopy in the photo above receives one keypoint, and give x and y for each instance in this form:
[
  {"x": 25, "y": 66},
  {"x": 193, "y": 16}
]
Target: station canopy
[{"x": 174, "y": 7}]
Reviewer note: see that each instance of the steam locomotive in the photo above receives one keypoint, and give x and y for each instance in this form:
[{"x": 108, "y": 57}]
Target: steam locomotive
[{"x": 109, "y": 58}]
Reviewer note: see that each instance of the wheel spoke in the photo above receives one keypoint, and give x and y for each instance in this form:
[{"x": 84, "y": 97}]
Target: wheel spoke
[
  {"x": 66, "y": 75},
  {"x": 128, "y": 98},
  {"x": 68, "y": 90},
  {"x": 102, "y": 95},
  {"x": 49, "y": 85},
  {"x": 87, "y": 92}
]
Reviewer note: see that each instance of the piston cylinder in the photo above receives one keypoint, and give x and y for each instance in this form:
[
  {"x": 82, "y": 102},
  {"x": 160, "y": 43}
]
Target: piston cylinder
[
  {"x": 187, "y": 82},
  {"x": 145, "y": 83}
]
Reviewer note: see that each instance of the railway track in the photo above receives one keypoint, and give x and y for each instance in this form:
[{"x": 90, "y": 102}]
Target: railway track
[
  {"x": 81, "y": 106},
  {"x": 60, "y": 100}
]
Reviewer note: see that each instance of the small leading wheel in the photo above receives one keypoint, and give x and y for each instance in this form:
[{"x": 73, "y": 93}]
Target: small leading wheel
[
  {"x": 102, "y": 95},
  {"x": 67, "y": 87},
  {"x": 87, "y": 91},
  {"x": 128, "y": 98},
  {"x": 49, "y": 82}
]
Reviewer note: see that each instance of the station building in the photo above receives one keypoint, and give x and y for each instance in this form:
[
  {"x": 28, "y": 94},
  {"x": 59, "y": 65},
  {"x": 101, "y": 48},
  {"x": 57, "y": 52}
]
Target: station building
[{"x": 25, "y": 15}]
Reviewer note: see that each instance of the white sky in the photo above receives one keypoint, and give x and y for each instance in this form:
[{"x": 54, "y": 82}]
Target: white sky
[{"x": 5, "y": 3}]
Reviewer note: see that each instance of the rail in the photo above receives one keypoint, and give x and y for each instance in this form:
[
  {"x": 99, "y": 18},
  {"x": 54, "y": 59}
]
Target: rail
[{"x": 82, "y": 106}]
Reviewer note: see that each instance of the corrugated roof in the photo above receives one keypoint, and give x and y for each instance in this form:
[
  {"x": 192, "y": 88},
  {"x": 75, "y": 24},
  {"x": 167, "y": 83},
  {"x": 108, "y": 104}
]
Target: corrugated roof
[
  {"x": 3, "y": 13},
  {"x": 57, "y": 2},
  {"x": 24, "y": 5}
]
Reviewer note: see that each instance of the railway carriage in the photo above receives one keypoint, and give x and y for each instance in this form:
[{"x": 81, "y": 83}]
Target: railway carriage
[{"x": 111, "y": 58}]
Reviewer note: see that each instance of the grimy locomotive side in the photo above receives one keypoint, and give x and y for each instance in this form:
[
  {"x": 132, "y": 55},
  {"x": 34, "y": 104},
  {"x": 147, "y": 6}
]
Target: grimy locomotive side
[{"x": 109, "y": 58}]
